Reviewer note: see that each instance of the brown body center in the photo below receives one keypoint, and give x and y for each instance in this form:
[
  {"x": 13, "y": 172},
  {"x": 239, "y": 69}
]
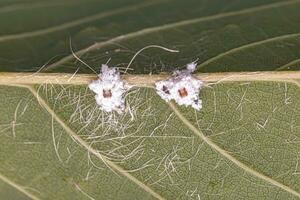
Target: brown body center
[
  {"x": 107, "y": 93},
  {"x": 182, "y": 92}
]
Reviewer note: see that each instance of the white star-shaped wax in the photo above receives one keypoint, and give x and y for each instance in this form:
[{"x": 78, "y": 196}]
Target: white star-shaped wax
[
  {"x": 109, "y": 89},
  {"x": 183, "y": 88}
]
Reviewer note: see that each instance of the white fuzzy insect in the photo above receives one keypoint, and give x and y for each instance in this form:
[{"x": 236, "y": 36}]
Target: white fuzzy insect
[
  {"x": 110, "y": 89},
  {"x": 183, "y": 88}
]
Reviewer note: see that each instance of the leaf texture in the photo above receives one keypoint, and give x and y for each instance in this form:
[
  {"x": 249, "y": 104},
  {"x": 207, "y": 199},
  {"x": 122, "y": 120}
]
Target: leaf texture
[
  {"x": 57, "y": 144},
  {"x": 225, "y": 36},
  {"x": 64, "y": 142}
]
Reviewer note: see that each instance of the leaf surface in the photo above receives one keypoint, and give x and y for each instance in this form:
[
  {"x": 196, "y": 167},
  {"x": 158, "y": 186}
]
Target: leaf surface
[
  {"x": 225, "y": 36},
  {"x": 57, "y": 144},
  {"x": 55, "y": 138}
]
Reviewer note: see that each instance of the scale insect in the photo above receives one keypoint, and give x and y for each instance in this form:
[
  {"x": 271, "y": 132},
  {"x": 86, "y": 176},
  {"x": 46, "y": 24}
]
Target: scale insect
[
  {"x": 182, "y": 87},
  {"x": 110, "y": 90}
]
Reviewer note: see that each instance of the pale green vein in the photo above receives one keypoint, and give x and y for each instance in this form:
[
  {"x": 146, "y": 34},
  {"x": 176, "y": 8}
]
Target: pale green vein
[
  {"x": 23, "y": 6},
  {"x": 80, "y": 141},
  {"x": 290, "y": 64},
  {"x": 18, "y": 187},
  {"x": 76, "y": 22},
  {"x": 246, "y": 46},
  {"x": 168, "y": 26},
  {"x": 143, "y": 80},
  {"x": 230, "y": 157}
]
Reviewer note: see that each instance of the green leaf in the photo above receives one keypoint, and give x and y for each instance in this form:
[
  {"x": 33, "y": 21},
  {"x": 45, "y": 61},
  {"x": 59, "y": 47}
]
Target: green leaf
[
  {"x": 225, "y": 36},
  {"x": 8, "y": 192},
  {"x": 57, "y": 144}
]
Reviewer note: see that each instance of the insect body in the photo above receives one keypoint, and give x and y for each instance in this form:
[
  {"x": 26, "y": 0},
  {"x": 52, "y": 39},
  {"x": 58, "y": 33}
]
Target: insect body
[
  {"x": 109, "y": 89},
  {"x": 181, "y": 87}
]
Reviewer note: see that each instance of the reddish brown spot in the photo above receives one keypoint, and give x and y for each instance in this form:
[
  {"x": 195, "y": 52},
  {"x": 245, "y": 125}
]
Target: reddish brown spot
[
  {"x": 182, "y": 92},
  {"x": 107, "y": 93},
  {"x": 165, "y": 89}
]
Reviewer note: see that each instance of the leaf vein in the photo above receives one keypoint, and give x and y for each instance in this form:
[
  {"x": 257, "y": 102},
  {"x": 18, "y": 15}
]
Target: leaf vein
[
  {"x": 141, "y": 80},
  {"x": 74, "y": 23},
  {"x": 18, "y": 187},
  {"x": 290, "y": 64},
  {"x": 80, "y": 141},
  {"x": 230, "y": 157},
  {"x": 166, "y": 27},
  {"x": 249, "y": 45}
]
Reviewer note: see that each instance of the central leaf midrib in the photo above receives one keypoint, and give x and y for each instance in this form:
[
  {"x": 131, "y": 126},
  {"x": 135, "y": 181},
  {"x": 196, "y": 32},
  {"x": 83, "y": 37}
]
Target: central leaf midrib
[{"x": 143, "y": 80}]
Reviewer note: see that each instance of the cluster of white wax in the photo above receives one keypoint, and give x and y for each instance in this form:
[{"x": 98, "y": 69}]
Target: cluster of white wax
[
  {"x": 181, "y": 81},
  {"x": 182, "y": 87},
  {"x": 109, "y": 81}
]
